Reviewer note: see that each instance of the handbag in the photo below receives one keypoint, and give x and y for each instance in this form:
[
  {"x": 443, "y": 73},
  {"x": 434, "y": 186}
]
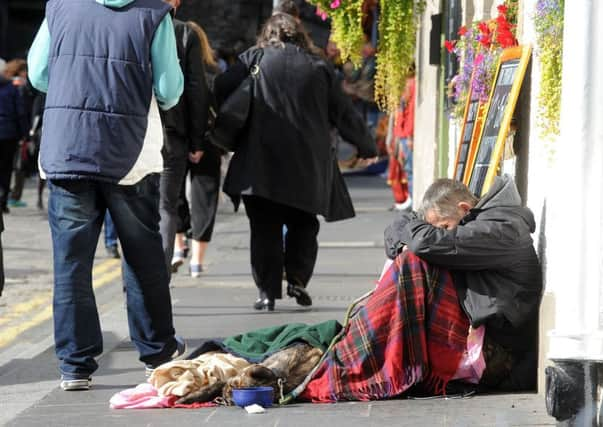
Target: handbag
[{"x": 232, "y": 115}]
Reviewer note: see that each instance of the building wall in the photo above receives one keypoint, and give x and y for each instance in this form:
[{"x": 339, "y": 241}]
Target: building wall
[
  {"x": 426, "y": 110},
  {"x": 228, "y": 24}
]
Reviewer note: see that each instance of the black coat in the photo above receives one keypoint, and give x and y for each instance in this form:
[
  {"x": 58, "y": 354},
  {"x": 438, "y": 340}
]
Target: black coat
[
  {"x": 14, "y": 114},
  {"x": 287, "y": 154},
  {"x": 188, "y": 119},
  {"x": 490, "y": 254}
]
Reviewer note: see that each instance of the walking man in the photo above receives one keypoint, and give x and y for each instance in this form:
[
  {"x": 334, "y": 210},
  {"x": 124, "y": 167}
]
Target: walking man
[{"x": 100, "y": 62}]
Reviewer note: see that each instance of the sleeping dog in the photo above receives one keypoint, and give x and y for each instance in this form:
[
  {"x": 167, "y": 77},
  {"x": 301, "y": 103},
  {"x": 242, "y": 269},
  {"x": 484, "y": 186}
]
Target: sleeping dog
[{"x": 290, "y": 366}]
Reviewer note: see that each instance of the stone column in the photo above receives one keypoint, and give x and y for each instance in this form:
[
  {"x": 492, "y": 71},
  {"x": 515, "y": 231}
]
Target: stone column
[{"x": 575, "y": 221}]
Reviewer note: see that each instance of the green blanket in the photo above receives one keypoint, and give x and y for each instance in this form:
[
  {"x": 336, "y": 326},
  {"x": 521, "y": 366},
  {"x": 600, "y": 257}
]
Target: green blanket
[{"x": 256, "y": 345}]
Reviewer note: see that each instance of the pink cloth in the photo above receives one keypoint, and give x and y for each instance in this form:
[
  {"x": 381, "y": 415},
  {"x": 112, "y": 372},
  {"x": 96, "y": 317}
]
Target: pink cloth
[
  {"x": 143, "y": 396},
  {"x": 473, "y": 363}
]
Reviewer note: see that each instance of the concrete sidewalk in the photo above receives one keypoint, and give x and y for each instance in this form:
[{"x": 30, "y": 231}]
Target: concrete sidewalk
[{"x": 216, "y": 305}]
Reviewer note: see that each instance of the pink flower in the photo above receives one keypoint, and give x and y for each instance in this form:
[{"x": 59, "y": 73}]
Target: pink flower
[
  {"x": 478, "y": 59},
  {"x": 335, "y": 4},
  {"x": 323, "y": 15}
]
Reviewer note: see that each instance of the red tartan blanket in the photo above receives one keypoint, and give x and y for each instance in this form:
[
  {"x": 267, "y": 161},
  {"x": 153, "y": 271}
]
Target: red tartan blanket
[{"x": 410, "y": 331}]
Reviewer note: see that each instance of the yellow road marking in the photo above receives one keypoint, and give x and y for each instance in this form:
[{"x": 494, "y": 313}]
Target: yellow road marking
[
  {"x": 9, "y": 335},
  {"x": 104, "y": 266},
  {"x": 25, "y": 307}
]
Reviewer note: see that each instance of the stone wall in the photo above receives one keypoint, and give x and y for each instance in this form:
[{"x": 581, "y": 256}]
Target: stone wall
[{"x": 228, "y": 23}]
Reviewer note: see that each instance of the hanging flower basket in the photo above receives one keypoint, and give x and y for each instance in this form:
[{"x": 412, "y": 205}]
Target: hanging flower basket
[
  {"x": 396, "y": 45},
  {"x": 477, "y": 50},
  {"x": 548, "y": 22}
]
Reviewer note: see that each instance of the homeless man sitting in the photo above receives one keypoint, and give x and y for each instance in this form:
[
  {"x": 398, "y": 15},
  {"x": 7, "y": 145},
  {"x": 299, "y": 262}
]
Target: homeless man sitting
[{"x": 486, "y": 246}]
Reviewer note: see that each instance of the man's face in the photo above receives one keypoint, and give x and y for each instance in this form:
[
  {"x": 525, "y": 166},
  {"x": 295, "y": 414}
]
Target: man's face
[{"x": 449, "y": 222}]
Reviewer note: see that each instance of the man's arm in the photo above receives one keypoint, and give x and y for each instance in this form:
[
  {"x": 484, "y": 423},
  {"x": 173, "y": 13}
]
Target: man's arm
[
  {"x": 37, "y": 59},
  {"x": 168, "y": 80},
  {"x": 473, "y": 246},
  {"x": 348, "y": 122}
]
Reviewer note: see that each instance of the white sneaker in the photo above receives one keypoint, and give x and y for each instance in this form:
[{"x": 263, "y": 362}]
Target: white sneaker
[
  {"x": 75, "y": 384},
  {"x": 406, "y": 205}
]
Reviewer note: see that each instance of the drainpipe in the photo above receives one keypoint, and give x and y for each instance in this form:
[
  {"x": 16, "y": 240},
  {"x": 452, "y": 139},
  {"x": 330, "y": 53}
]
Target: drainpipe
[{"x": 575, "y": 229}]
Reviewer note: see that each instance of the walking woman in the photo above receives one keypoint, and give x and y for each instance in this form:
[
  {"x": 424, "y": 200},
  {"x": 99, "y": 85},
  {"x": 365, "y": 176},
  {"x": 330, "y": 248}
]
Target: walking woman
[
  {"x": 285, "y": 167},
  {"x": 204, "y": 175}
]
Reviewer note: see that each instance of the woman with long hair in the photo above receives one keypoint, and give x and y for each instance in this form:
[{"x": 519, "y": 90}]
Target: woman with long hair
[
  {"x": 285, "y": 167},
  {"x": 204, "y": 181}
]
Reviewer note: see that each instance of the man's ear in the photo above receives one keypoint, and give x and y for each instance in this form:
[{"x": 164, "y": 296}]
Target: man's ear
[{"x": 464, "y": 206}]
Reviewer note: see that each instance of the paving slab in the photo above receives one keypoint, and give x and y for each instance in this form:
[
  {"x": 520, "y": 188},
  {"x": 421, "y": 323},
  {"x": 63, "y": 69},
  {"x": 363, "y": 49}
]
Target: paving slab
[{"x": 218, "y": 305}]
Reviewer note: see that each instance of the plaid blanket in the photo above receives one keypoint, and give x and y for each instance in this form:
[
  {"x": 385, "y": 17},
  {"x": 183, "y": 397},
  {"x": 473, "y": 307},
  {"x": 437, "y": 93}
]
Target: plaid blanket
[{"x": 411, "y": 331}]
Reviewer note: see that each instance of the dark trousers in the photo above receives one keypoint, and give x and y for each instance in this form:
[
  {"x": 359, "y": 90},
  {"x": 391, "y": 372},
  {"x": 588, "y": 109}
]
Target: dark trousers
[
  {"x": 8, "y": 149},
  {"x": 205, "y": 191},
  {"x": 172, "y": 179},
  {"x": 1, "y": 264},
  {"x": 269, "y": 254},
  {"x": 76, "y": 210}
]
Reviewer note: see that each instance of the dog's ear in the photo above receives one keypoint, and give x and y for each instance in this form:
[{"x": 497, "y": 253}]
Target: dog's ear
[{"x": 260, "y": 373}]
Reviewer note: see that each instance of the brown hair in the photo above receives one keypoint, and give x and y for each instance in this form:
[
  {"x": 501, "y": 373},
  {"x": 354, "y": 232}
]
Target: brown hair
[
  {"x": 207, "y": 53},
  {"x": 15, "y": 67},
  {"x": 282, "y": 28}
]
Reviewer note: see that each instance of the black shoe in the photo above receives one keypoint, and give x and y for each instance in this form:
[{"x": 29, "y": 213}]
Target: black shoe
[
  {"x": 113, "y": 252},
  {"x": 177, "y": 355},
  {"x": 301, "y": 296},
  {"x": 264, "y": 304}
]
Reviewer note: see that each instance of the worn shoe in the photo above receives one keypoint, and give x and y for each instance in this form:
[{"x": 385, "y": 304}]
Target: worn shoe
[
  {"x": 75, "y": 384},
  {"x": 177, "y": 355},
  {"x": 113, "y": 252},
  {"x": 177, "y": 260},
  {"x": 196, "y": 270},
  {"x": 264, "y": 304},
  {"x": 301, "y": 296}
]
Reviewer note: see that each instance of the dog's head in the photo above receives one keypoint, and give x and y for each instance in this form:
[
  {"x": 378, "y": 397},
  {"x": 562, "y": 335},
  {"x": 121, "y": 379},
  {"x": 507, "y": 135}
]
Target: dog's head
[{"x": 252, "y": 376}]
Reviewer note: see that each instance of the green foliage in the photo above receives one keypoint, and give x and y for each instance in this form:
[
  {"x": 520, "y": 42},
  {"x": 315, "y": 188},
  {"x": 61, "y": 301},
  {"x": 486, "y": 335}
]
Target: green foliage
[
  {"x": 396, "y": 47},
  {"x": 396, "y": 50},
  {"x": 548, "y": 21},
  {"x": 346, "y": 26}
]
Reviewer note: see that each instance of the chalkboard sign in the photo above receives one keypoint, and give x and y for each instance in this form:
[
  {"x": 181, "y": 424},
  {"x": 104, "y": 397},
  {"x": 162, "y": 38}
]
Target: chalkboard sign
[
  {"x": 472, "y": 120},
  {"x": 511, "y": 70}
]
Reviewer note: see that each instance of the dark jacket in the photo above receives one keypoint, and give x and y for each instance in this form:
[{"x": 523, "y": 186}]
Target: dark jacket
[
  {"x": 490, "y": 254},
  {"x": 188, "y": 119},
  {"x": 287, "y": 154},
  {"x": 97, "y": 131},
  {"x": 13, "y": 112}
]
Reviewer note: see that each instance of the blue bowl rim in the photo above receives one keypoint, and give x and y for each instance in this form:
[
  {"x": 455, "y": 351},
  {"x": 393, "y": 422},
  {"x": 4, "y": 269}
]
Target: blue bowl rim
[{"x": 264, "y": 388}]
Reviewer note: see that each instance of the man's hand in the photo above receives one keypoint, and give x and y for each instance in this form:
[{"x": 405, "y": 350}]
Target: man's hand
[
  {"x": 195, "y": 157},
  {"x": 363, "y": 163}
]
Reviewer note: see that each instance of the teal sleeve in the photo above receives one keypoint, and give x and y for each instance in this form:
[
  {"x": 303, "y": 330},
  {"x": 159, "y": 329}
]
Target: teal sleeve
[
  {"x": 37, "y": 59},
  {"x": 168, "y": 80}
]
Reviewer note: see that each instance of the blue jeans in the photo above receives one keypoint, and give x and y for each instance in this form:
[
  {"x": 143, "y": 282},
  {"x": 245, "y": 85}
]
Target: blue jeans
[
  {"x": 76, "y": 209},
  {"x": 407, "y": 151},
  {"x": 110, "y": 233}
]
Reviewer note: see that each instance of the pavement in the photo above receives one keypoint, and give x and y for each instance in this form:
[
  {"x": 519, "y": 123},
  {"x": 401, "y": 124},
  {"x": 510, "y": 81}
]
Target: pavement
[{"x": 218, "y": 304}]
